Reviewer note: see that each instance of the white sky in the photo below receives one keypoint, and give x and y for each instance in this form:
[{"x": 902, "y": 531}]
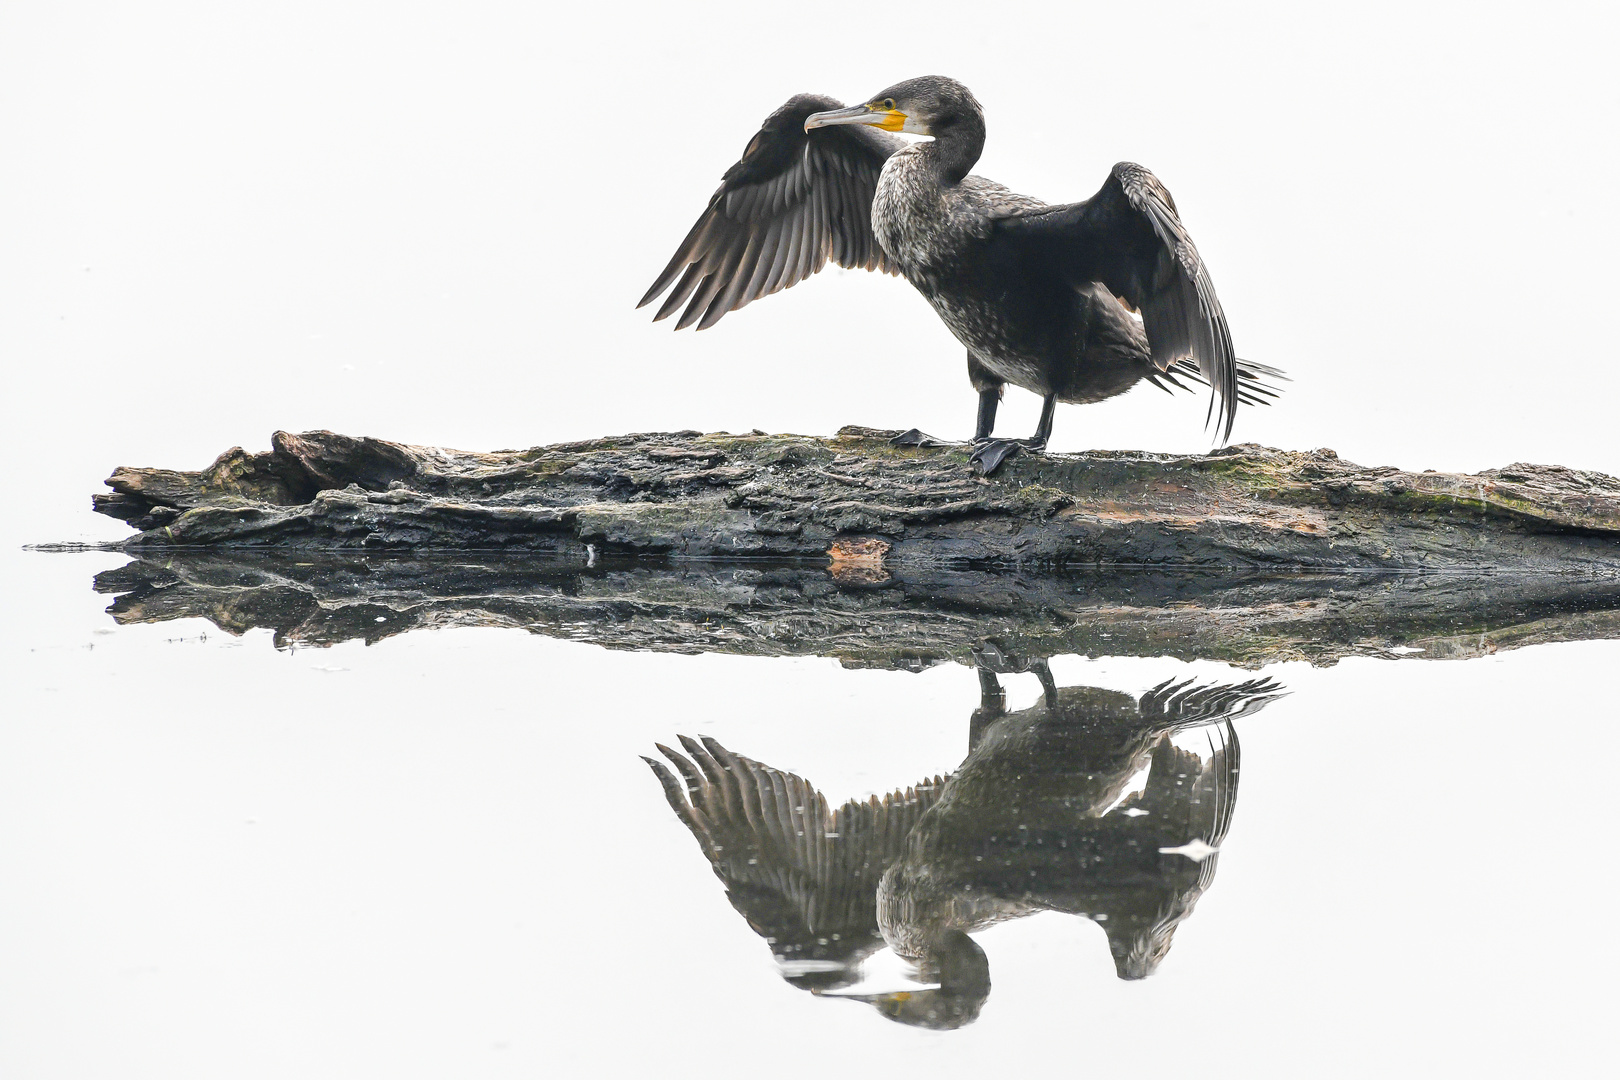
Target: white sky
[{"x": 431, "y": 222}]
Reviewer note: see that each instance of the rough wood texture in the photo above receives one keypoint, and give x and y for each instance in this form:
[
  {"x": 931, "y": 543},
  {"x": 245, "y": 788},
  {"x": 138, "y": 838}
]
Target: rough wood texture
[
  {"x": 893, "y": 617},
  {"x": 856, "y": 499}
]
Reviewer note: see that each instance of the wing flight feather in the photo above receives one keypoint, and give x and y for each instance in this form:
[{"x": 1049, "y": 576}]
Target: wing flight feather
[{"x": 795, "y": 200}]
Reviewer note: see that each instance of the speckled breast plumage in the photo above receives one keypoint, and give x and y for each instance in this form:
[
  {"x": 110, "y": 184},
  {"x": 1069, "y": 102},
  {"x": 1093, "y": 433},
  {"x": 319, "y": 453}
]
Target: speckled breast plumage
[{"x": 934, "y": 238}]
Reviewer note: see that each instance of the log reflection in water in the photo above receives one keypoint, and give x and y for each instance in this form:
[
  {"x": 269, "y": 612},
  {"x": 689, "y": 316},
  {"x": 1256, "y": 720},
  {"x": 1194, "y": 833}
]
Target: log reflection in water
[
  {"x": 910, "y": 619},
  {"x": 1082, "y": 803}
]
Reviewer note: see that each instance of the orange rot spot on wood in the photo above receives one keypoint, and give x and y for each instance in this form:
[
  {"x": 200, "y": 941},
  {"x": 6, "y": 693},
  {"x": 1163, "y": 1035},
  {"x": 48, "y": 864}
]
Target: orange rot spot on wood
[{"x": 858, "y": 561}]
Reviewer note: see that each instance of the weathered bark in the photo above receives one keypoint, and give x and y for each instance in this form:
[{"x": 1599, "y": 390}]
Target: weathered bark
[
  {"x": 857, "y": 499},
  {"x": 892, "y": 617}
]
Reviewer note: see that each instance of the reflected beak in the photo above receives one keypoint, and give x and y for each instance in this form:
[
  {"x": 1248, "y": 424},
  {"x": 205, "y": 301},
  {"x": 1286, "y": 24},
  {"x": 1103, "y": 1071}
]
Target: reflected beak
[
  {"x": 887, "y": 119},
  {"x": 890, "y": 1004}
]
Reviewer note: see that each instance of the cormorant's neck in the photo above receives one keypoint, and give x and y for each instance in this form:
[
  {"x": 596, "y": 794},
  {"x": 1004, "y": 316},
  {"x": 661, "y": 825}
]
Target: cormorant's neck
[
  {"x": 958, "y": 142},
  {"x": 960, "y": 964}
]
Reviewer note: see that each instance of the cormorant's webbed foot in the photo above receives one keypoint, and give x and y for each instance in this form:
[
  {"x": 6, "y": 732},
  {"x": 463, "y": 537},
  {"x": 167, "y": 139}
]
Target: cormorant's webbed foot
[
  {"x": 987, "y": 456},
  {"x": 919, "y": 438}
]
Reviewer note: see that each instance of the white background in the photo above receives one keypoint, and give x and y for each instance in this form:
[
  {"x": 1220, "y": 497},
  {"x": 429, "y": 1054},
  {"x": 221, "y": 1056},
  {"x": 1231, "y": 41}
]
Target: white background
[
  {"x": 432, "y": 222},
  {"x": 440, "y": 856}
]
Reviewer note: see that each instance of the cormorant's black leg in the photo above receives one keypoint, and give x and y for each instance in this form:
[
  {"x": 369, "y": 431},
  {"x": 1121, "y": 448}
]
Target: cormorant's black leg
[
  {"x": 989, "y": 659},
  {"x": 1048, "y": 685},
  {"x": 1043, "y": 430},
  {"x": 988, "y": 400},
  {"x": 992, "y": 706},
  {"x": 988, "y": 454}
]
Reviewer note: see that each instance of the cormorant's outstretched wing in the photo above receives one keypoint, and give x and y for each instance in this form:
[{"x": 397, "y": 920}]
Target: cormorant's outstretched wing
[
  {"x": 1129, "y": 237},
  {"x": 795, "y": 200},
  {"x": 805, "y": 877}
]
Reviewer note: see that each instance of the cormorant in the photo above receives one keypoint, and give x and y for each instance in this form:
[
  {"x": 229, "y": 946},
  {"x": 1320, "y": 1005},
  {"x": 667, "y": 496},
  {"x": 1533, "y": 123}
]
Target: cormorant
[
  {"x": 1041, "y": 295},
  {"x": 1041, "y": 816}
]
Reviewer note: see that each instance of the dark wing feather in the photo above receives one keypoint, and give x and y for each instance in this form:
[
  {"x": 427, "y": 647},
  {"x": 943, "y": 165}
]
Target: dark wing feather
[
  {"x": 1179, "y": 706},
  {"x": 1215, "y": 792},
  {"x": 1256, "y": 383},
  {"x": 1129, "y": 237},
  {"x": 795, "y": 200},
  {"x": 803, "y": 875}
]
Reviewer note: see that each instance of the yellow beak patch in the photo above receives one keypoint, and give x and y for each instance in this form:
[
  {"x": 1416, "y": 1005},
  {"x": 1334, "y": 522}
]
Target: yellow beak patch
[{"x": 893, "y": 119}]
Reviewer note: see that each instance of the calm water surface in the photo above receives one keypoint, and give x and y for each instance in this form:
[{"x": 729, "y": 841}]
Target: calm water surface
[{"x": 443, "y": 854}]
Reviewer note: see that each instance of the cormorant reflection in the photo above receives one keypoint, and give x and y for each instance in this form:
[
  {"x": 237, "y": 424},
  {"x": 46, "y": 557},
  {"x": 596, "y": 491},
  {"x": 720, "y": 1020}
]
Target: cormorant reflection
[{"x": 1081, "y": 803}]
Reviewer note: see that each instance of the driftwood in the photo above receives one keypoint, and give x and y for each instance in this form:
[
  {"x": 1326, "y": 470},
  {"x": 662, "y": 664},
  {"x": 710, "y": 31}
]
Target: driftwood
[
  {"x": 858, "y": 501},
  {"x": 895, "y": 617},
  {"x": 879, "y": 556}
]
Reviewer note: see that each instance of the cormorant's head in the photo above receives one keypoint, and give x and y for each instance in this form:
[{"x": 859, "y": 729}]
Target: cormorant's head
[
  {"x": 964, "y": 983},
  {"x": 938, "y": 1008},
  {"x": 923, "y": 106}
]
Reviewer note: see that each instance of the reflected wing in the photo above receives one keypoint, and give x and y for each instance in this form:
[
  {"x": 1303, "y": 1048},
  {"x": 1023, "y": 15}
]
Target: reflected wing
[
  {"x": 1201, "y": 809},
  {"x": 1183, "y": 813},
  {"x": 795, "y": 200},
  {"x": 805, "y": 877},
  {"x": 1214, "y": 794},
  {"x": 1129, "y": 237},
  {"x": 1178, "y": 706}
]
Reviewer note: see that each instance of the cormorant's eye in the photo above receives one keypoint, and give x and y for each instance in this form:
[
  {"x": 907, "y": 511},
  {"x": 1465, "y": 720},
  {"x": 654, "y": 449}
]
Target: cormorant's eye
[{"x": 888, "y": 103}]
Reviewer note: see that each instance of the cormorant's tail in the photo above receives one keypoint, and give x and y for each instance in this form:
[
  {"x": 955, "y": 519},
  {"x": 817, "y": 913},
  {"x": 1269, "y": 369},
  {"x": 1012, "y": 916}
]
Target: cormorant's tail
[{"x": 1257, "y": 383}]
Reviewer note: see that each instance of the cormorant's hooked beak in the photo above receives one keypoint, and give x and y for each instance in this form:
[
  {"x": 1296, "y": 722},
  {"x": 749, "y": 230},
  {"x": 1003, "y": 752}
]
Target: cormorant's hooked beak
[
  {"x": 887, "y": 119},
  {"x": 891, "y": 1004},
  {"x": 934, "y": 1008}
]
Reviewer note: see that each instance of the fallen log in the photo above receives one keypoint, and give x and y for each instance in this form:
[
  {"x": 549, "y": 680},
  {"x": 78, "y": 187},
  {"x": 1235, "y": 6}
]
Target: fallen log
[{"x": 856, "y": 500}]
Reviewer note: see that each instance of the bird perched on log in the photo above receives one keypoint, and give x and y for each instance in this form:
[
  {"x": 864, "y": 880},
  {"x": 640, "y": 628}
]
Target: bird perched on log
[{"x": 1043, "y": 297}]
